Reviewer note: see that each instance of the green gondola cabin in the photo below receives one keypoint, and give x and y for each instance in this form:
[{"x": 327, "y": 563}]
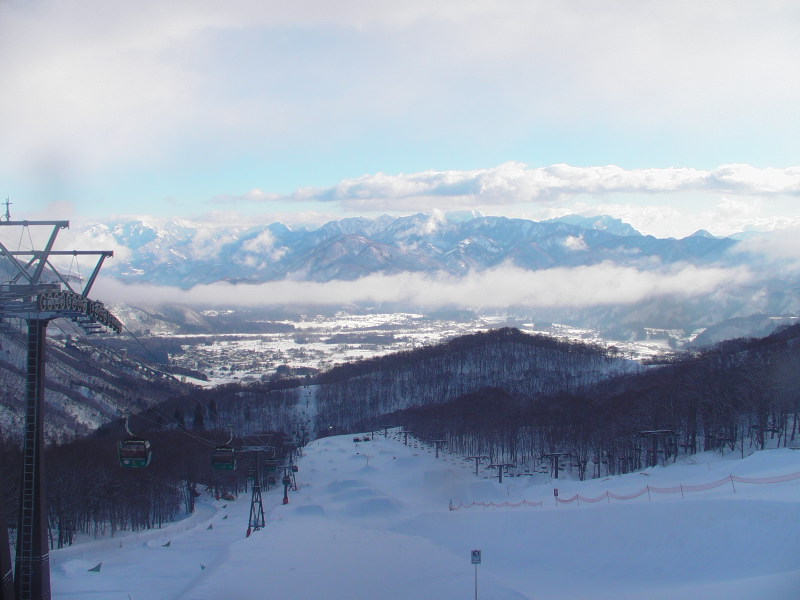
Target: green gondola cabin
[
  {"x": 224, "y": 458},
  {"x": 134, "y": 453}
]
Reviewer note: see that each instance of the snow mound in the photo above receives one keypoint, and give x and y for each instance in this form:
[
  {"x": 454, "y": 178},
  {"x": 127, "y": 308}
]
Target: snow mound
[
  {"x": 353, "y": 494},
  {"x": 309, "y": 510},
  {"x": 373, "y": 507},
  {"x": 343, "y": 484},
  {"x": 76, "y": 567}
]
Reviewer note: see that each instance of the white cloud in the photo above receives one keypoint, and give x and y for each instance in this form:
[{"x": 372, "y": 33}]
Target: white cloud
[
  {"x": 207, "y": 243},
  {"x": 262, "y": 249},
  {"x": 502, "y": 287},
  {"x": 777, "y": 252},
  {"x": 575, "y": 243},
  {"x": 673, "y": 202},
  {"x": 514, "y": 182},
  {"x": 100, "y": 240},
  {"x": 428, "y": 226},
  {"x": 96, "y": 85},
  {"x": 748, "y": 179},
  {"x": 254, "y": 195}
]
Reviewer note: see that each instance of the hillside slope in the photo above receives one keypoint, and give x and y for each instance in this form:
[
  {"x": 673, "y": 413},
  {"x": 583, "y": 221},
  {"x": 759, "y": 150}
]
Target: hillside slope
[
  {"x": 372, "y": 519},
  {"x": 521, "y": 364},
  {"x": 86, "y": 385}
]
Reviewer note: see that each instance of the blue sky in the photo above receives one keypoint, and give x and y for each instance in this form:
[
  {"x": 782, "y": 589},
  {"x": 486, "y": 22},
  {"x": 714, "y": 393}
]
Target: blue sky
[{"x": 671, "y": 115}]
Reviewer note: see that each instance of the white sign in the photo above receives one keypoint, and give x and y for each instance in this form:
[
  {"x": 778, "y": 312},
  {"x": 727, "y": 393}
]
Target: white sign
[{"x": 476, "y": 557}]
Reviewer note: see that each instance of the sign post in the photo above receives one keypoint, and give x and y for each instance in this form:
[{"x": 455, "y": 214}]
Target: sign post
[{"x": 476, "y": 560}]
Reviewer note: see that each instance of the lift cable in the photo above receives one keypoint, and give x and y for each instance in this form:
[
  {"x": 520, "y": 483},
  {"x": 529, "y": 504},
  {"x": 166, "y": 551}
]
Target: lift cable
[
  {"x": 146, "y": 349},
  {"x": 126, "y": 410},
  {"x": 81, "y": 334}
]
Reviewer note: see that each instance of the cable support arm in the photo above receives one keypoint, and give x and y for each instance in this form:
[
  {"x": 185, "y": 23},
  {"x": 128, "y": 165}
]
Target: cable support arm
[{"x": 57, "y": 226}]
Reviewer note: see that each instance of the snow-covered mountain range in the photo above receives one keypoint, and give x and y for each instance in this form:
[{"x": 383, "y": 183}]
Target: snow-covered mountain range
[
  {"x": 183, "y": 254},
  {"x": 597, "y": 272}
]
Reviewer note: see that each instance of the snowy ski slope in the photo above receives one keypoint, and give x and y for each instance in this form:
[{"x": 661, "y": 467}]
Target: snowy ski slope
[{"x": 373, "y": 520}]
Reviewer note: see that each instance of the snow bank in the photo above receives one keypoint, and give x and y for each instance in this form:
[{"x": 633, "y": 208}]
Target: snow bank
[{"x": 373, "y": 519}]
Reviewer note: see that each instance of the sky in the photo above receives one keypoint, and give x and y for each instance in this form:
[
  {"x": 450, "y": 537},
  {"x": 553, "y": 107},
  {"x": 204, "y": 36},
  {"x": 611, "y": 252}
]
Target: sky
[{"x": 673, "y": 116}]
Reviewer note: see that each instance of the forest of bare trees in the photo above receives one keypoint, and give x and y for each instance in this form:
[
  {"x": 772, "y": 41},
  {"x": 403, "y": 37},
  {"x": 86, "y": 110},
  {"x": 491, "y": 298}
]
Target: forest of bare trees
[
  {"x": 88, "y": 492},
  {"x": 521, "y": 364},
  {"x": 534, "y": 402},
  {"x": 742, "y": 396}
]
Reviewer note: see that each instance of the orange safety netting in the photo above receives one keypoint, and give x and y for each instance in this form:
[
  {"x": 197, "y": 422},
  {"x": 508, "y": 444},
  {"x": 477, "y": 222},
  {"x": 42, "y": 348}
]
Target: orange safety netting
[{"x": 676, "y": 489}]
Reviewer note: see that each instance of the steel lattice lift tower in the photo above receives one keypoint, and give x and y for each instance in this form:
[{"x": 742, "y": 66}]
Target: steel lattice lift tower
[
  {"x": 37, "y": 293},
  {"x": 256, "y": 520}
]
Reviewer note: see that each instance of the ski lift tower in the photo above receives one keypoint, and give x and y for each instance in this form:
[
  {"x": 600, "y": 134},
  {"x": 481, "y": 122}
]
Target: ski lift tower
[
  {"x": 438, "y": 445},
  {"x": 655, "y": 435},
  {"x": 256, "y": 520},
  {"x": 477, "y": 459},
  {"x": 37, "y": 293}
]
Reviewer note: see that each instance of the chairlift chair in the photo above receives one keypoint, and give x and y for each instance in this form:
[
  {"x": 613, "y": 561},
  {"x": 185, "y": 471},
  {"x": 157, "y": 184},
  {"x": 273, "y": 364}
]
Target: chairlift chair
[
  {"x": 224, "y": 457},
  {"x": 133, "y": 452}
]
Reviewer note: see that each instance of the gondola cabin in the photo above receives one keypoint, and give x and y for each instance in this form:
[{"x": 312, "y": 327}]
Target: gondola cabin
[
  {"x": 134, "y": 453},
  {"x": 224, "y": 458}
]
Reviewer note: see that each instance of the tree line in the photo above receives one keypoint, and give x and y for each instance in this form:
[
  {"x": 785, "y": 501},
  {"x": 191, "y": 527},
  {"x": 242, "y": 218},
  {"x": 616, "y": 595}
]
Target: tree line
[
  {"x": 89, "y": 493},
  {"x": 522, "y": 364},
  {"x": 742, "y": 396}
]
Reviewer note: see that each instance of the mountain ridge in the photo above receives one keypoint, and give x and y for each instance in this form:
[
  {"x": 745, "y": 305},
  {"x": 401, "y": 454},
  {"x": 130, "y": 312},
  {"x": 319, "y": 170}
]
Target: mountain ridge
[
  {"x": 454, "y": 247},
  {"x": 179, "y": 254}
]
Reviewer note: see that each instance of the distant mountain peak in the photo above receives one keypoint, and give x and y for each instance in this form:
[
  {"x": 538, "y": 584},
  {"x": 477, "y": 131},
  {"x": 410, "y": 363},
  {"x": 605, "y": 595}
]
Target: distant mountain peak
[
  {"x": 598, "y": 223},
  {"x": 462, "y": 216},
  {"x": 702, "y": 233}
]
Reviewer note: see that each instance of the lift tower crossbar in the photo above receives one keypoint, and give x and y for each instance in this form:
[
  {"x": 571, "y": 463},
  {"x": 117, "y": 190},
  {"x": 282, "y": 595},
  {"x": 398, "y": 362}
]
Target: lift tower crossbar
[
  {"x": 37, "y": 293},
  {"x": 500, "y": 467},
  {"x": 477, "y": 459},
  {"x": 438, "y": 444}
]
